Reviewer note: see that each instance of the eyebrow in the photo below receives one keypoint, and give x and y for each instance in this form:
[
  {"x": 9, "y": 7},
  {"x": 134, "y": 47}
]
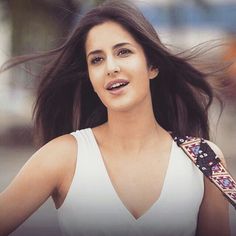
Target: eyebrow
[{"x": 114, "y": 47}]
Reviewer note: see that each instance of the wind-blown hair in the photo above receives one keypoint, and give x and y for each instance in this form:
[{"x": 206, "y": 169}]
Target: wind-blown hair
[{"x": 66, "y": 101}]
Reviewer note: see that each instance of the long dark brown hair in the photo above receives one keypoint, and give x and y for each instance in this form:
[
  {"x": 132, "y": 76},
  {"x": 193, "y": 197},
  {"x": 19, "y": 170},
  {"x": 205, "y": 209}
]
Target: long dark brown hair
[{"x": 181, "y": 96}]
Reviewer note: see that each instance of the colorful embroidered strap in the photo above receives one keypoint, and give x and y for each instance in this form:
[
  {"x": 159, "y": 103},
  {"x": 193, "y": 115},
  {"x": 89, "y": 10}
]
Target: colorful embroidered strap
[{"x": 210, "y": 164}]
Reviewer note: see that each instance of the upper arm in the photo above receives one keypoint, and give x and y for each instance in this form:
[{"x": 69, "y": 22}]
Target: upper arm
[
  {"x": 35, "y": 182},
  {"x": 213, "y": 216}
]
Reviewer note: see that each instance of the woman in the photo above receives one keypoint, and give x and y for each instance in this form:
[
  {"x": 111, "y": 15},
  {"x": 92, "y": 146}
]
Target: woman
[{"x": 120, "y": 173}]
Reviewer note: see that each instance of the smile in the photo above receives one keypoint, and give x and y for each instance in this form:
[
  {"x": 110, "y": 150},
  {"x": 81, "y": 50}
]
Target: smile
[{"x": 117, "y": 86}]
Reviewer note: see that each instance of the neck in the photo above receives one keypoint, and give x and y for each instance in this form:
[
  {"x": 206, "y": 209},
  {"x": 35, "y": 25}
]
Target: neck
[{"x": 134, "y": 129}]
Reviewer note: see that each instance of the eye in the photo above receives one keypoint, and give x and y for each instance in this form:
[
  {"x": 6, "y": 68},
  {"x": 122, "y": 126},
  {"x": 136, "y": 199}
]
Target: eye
[
  {"x": 96, "y": 60},
  {"x": 124, "y": 52}
]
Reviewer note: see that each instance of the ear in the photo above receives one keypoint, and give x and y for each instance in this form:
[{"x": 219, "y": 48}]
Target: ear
[{"x": 153, "y": 72}]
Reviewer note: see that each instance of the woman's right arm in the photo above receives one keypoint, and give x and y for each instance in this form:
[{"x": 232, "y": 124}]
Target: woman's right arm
[{"x": 42, "y": 174}]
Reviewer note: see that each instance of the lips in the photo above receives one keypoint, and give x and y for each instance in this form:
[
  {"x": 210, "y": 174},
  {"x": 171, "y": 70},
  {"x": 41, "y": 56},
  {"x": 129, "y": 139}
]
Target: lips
[{"x": 116, "y": 84}]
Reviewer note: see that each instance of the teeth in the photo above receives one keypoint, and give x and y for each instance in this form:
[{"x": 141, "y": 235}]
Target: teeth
[{"x": 116, "y": 85}]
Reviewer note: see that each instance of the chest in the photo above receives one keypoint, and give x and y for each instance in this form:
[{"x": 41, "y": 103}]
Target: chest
[
  {"x": 137, "y": 181},
  {"x": 108, "y": 196}
]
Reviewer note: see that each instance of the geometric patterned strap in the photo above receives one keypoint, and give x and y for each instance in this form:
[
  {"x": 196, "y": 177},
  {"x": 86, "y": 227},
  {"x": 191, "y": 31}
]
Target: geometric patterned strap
[{"x": 198, "y": 150}]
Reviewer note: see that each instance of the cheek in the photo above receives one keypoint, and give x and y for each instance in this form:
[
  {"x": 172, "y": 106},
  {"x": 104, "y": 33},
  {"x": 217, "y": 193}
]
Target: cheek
[
  {"x": 97, "y": 84},
  {"x": 138, "y": 66},
  {"x": 141, "y": 77},
  {"x": 94, "y": 78}
]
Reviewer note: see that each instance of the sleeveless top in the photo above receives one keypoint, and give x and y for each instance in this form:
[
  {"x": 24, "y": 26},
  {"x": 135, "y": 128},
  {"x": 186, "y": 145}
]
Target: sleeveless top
[{"x": 93, "y": 208}]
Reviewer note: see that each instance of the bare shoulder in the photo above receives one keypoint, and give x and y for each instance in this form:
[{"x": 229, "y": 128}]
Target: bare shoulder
[
  {"x": 57, "y": 148},
  {"x": 58, "y": 156},
  {"x": 56, "y": 161},
  {"x": 213, "y": 218},
  {"x": 37, "y": 180},
  {"x": 50, "y": 164}
]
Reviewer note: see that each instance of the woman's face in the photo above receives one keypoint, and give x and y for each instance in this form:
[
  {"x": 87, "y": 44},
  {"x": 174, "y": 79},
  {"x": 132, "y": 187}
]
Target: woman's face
[{"x": 117, "y": 67}]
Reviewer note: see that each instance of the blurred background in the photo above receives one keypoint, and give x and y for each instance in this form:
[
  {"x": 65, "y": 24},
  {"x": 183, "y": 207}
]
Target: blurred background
[{"x": 29, "y": 26}]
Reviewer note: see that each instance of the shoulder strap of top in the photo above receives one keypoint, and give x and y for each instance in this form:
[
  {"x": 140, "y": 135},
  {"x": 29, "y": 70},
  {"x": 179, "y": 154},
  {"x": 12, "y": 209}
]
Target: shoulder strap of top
[{"x": 198, "y": 150}]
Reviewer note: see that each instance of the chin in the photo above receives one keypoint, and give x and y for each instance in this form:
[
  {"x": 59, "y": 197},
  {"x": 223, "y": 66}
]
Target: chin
[
  {"x": 127, "y": 104},
  {"x": 121, "y": 108}
]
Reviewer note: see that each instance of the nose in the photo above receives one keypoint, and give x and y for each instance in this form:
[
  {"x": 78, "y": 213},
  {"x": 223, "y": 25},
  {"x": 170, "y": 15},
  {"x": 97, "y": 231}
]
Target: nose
[{"x": 112, "y": 67}]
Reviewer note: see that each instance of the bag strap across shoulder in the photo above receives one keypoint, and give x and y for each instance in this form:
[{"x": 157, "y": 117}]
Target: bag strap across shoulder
[{"x": 198, "y": 150}]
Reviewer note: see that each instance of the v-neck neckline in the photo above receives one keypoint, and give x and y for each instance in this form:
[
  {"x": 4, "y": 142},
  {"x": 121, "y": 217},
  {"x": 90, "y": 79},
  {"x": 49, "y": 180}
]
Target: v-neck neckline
[{"x": 156, "y": 202}]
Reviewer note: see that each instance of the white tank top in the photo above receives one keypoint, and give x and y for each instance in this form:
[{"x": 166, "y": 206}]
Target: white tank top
[{"x": 93, "y": 208}]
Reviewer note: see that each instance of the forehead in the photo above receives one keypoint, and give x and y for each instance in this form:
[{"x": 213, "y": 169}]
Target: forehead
[{"x": 107, "y": 34}]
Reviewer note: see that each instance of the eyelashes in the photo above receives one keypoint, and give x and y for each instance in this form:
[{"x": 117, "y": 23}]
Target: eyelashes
[
  {"x": 96, "y": 60},
  {"x": 123, "y": 52}
]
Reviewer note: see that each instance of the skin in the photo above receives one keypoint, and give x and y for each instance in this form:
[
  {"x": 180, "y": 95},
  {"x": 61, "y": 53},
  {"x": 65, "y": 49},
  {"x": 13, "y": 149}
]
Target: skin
[{"x": 129, "y": 143}]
